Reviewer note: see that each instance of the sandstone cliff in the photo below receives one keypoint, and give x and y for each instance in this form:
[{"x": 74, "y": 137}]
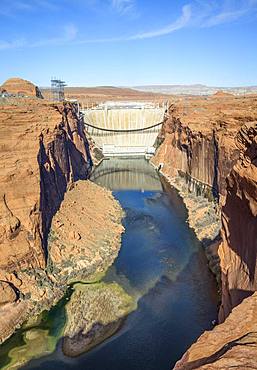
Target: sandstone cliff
[
  {"x": 196, "y": 147},
  {"x": 235, "y": 341},
  {"x": 232, "y": 344},
  {"x": 44, "y": 150},
  {"x": 211, "y": 143},
  {"x": 238, "y": 251},
  {"x": 197, "y": 143},
  {"x": 197, "y": 139}
]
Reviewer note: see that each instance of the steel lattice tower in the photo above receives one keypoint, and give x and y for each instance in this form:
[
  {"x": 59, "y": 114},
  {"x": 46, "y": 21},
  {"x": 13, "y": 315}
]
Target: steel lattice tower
[{"x": 57, "y": 89}]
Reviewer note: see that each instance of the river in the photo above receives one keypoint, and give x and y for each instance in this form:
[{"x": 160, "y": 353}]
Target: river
[{"x": 161, "y": 264}]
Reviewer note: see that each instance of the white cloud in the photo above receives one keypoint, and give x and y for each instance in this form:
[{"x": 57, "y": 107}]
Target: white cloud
[
  {"x": 198, "y": 14},
  {"x": 227, "y": 11},
  {"x": 11, "y": 8},
  {"x": 69, "y": 34},
  {"x": 181, "y": 22},
  {"x": 224, "y": 17},
  {"x": 15, "y": 44},
  {"x": 123, "y": 6}
]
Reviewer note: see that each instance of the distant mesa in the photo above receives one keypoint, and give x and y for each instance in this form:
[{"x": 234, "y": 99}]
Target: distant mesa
[
  {"x": 221, "y": 94},
  {"x": 19, "y": 87}
]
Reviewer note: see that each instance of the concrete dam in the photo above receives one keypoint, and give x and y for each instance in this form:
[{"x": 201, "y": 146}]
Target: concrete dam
[{"x": 125, "y": 128}]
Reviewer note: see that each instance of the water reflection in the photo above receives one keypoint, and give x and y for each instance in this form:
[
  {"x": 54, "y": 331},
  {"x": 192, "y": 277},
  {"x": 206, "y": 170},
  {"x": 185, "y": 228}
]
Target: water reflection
[{"x": 127, "y": 174}]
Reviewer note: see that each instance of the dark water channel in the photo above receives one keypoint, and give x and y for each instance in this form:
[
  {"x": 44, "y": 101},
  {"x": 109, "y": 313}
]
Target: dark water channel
[{"x": 162, "y": 265}]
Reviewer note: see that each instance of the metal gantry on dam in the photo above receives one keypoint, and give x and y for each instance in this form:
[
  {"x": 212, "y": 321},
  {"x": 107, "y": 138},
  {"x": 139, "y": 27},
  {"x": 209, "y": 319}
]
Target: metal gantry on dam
[{"x": 125, "y": 128}]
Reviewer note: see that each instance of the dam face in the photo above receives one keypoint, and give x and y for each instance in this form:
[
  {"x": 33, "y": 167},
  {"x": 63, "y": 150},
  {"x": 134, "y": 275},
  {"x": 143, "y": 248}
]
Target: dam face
[{"x": 124, "y": 128}]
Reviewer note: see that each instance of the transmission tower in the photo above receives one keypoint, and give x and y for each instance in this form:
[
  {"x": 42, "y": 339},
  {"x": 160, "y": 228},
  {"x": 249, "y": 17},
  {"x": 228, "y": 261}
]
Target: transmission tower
[{"x": 57, "y": 89}]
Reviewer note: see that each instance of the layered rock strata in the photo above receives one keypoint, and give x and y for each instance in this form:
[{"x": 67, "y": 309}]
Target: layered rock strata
[
  {"x": 43, "y": 149},
  {"x": 197, "y": 144},
  {"x": 197, "y": 139},
  {"x": 234, "y": 343}
]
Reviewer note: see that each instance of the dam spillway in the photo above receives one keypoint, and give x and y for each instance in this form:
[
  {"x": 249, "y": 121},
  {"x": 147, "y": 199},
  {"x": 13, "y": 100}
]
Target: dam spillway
[{"x": 125, "y": 128}]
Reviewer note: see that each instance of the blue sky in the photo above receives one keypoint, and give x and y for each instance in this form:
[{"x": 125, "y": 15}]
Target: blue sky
[{"x": 130, "y": 42}]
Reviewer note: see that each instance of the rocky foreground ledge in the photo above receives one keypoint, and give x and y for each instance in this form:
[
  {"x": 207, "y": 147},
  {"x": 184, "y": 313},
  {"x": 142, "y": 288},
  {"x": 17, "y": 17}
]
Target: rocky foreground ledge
[
  {"x": 231, "y": 345},
  {"x": 55, "y": 227}
]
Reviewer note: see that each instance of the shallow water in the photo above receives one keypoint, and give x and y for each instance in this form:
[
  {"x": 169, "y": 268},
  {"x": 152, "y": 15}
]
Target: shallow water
[{"x": 162, "y": 265}]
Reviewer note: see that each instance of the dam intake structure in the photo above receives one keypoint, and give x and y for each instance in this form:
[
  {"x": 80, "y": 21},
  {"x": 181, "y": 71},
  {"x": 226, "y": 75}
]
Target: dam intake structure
[{"x": 125, "y": 128}]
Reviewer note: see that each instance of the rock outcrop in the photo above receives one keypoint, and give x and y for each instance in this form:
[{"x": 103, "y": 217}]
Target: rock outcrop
[
  {"x": 197, "y": 146},
  {"x": 19, "y": 87},
  {"x": 7, "y": 293},
  {"x": 43, "y": 149},
  {"x": 234, "y": 342}
]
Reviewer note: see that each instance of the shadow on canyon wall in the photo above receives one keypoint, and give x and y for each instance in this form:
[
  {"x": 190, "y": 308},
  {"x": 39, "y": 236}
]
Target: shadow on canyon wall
[
  {"x": 59, "y": 164},
  {"x": 241, "y": 239},
  {"x": 215, "y": 184}
]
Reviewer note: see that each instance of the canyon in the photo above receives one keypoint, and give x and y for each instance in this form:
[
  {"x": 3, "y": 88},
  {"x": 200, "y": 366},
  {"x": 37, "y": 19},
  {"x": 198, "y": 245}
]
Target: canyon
[
  {"x": 57, "y": 229},
  {"x": 211, "y": 144}
]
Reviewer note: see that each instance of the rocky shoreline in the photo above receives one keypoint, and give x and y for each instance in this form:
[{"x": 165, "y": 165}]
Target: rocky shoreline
[{"x": 203, "y": 216}]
